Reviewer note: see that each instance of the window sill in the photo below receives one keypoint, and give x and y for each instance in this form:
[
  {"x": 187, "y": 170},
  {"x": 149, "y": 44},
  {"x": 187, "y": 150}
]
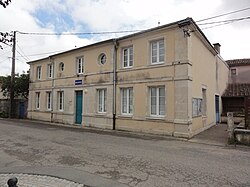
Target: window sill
[
  {"x": 156, "y": 63},
  {"x": 125, "y": 115},
  {"x": 161, "y": 118}
]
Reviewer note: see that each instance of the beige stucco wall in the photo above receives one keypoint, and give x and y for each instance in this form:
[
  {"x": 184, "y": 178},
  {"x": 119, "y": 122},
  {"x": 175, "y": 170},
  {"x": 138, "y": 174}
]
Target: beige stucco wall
[{"x": 183, "y": 74}]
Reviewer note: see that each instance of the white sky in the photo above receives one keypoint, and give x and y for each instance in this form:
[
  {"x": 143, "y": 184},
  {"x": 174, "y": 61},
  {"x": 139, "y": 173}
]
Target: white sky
[{"x": 113, "y": 15}]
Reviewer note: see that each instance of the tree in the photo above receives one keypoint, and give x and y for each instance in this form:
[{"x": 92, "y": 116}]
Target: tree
[
  {"x": 5, "y": 3},
  {"x": 21, "y": 85}
]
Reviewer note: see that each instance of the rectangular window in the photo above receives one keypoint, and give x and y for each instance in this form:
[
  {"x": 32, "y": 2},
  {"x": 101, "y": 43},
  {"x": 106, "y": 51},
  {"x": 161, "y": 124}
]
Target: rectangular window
[
  {"x": 37, "y": 100},
  {"x": 50, "y": 70},
  {"x": 157, "y": 51},
  {"x": 80, "y": 65},
  {"x": 128, "y": 57},
  {"x": 233, "y": 72},
  {"x": 204, "y": 102},
  {"x": 127, "y": 101},
  {"x": 102, "y": 100},
  {"x": 196, "y": 102},
  {"x": 38, "y": 72},
  {"x": 60, "y": 100},
  {"x": 157, "y": 101},
  {"x": 48, "y": 100}
]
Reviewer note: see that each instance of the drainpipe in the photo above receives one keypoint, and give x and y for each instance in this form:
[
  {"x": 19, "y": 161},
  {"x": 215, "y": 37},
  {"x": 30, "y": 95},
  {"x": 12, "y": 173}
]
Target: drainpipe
[
  {"x": 52, "y": 89},
  {"x": 114, "y": 81}
]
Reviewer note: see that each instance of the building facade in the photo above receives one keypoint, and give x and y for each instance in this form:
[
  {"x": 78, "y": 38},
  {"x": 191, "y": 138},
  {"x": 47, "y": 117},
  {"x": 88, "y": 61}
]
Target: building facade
[{"x": 165, "y": 80}]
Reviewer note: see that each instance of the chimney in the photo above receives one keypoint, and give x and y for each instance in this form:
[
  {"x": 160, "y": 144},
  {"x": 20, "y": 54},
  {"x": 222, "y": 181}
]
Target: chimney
[{"x": 217, "y": 47}]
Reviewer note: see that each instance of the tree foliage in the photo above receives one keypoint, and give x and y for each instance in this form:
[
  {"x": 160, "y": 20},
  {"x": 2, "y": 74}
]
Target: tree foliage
[
  {"x": 5, "y": 3},
  {"x": 21, "y": 85}
]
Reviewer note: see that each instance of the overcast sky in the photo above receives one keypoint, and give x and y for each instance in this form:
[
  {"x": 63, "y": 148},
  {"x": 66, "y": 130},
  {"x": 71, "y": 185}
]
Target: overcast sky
[{"x": 59, "y": 16}]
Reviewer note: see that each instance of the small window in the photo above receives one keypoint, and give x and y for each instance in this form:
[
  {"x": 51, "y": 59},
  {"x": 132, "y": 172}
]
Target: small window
[
  {"x": 38, "y": 72},
  {"x": 233, "y": 72},
  {"x": 37, "y": 101},
  {"x": 127, "y": 101},
  {"x": 128, "y": 57},
  {"x": 102, "y": 59},
  {"x": 60, "y": 100},
  {"x": 157, "y": 51},
  {"x": 102, "y": 100},
  {"x": 157, "y": 101},
  {"x": 80, "y": 65},
  {"x": 50, "y": 70},
  {"x": 61, "y": 66},
  {"x": 48, "y": 99}
]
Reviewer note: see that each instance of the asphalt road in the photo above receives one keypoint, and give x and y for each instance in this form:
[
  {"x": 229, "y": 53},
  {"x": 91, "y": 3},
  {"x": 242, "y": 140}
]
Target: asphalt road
[{"x": 135, "y": 160}]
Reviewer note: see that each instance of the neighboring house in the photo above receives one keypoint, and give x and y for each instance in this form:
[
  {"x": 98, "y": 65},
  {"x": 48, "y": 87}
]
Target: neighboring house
[
  {"x": 238, "y": 88},
  {"x": 165, "y": 80},
  {"x": 239, "y": 70}
]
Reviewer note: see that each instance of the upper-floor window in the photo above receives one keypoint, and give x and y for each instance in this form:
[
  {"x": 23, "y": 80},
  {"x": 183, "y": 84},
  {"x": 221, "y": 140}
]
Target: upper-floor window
[
  {"x": 128, "y": 57},
  {"x": 157, "y": 101},
  {"x": 61, "y": 66},
  {"x": 102, "y": 100},
  {"x": 80, "y": 65},
  {"x": 127, "y": 101},
  {"x": 38, "y": 72},
  {"x": 37, "y": 100},
  {"x": 157, "y": 51},
  {"x": 50, "y": 70},
  {"x": 102, "y": 59},
  {"x": 233, "y": 72}
]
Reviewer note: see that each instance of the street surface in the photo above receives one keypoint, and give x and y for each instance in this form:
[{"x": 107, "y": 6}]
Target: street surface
[{"x": 134, "y": 160}]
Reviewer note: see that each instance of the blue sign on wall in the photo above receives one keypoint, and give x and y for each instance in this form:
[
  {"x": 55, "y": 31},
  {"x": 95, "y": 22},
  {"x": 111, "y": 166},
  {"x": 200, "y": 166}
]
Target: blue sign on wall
[{"x": 78, "y": 82}]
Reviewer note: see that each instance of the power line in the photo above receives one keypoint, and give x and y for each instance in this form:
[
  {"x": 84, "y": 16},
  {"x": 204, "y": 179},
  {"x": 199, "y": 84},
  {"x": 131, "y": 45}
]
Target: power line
[
  {"x": 79, "y": 33},
  {"x": 225, "y": 21},
  {"x": 45, "y": 53},
  {"x": 25, "y": 56},
  {"x": 233, "y": 12}
]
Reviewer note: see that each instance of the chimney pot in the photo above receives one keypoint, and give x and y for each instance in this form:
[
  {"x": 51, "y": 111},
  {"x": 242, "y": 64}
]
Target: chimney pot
[{"x": 217, "y": 47}]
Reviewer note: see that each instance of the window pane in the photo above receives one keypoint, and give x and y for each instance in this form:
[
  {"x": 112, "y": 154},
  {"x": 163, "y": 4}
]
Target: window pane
[
  {"x": 125, "y": 58},
  {"x": 130, "y": 101},
  {"x": 131, "y": 56},
  {"x": 153, "y": 101},
  {"x": 124, "y": 100},
  {"x": 162, "y": 101},
  {"x": 105, "y": 100}
]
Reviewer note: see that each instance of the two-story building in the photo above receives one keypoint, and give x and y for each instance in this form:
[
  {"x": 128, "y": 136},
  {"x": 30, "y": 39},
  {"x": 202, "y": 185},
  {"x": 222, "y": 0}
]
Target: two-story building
[{"x": 165, "y": 80}]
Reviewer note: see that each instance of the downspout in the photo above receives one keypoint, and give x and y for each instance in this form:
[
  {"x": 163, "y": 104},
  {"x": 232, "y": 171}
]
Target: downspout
[
  {"x": 114, "y": 81},
  {"x": 52, "y": 89}
]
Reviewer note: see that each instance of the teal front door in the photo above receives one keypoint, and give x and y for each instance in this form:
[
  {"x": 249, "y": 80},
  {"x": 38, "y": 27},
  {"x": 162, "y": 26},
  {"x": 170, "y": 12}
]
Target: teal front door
[{"x": 78, "y": 107}]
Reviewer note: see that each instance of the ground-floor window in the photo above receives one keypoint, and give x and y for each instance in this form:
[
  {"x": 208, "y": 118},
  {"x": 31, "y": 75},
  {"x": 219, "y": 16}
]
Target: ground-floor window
[
  {"x": 48, "y": 100},
  {"x": 102, "y": 100},
  {"x": 157, "y": 101},
  {"x": 127, "y": 101},
  {"x": 60, "y": 100},
  {"x": 37, "y": 100}
]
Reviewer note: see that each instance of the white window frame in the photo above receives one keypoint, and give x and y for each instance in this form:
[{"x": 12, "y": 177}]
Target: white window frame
[
  {"x": 158, "y": 105},
  {"x": 50, "y": 70},
  {"x": 38, "y": 72},
  {"x": 157, "y": 55},
  {"x": 79, "y": 65},
  {"x": 102, "y": 100},
  {"x": 49, "y": 100},
  {"x": 37, "y": 100},
  {"x": 127, "y": 97},
  {"x": 102, "y": 59},
  {"x": 60, "y": 95},
  {"x": 61, "y": 66},
  {"x": 130, "y": 57}
]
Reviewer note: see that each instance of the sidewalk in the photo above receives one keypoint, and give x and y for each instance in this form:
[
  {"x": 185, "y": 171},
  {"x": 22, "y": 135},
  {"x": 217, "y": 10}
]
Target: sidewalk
[
  {"x": 53, "y": 176},
  {"x": 216, "y": 135}
]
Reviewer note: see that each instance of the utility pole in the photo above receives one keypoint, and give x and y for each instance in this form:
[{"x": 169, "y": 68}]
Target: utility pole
[{"x": 12, "y": 82}]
